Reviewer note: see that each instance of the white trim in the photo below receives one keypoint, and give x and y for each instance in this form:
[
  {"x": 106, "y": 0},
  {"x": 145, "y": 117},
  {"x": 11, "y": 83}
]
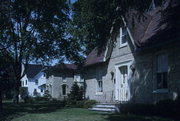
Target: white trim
[
  {"x": 105, "y": 54},
  {"x": 131, "y": 38},
  {"x": 117, "y": 85},
  {"x": 99, "y": 93},
  {"x": 97, "y": 87},
  {"x": 120, "y": 39}
]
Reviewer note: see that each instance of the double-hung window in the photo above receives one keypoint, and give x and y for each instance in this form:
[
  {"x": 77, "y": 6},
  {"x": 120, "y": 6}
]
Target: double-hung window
[
  {"x": 124, "y": 36},
  {"x": 64, "y": 86},
  {"x": 162, "y": 71}
]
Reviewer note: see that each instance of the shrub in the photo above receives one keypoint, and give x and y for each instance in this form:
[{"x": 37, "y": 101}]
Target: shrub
[
  {"x": 41, "y": 99},
  {"x": 89, "y": 103},
  {"x": 28, "y": 99},
  {"x": 143, "y": 109},
  {"x": 80, "y": 104},
  {"x": 76, "y": 92},
  {"x": 47, "y": 95},
  {"x": 23, "y": 91},
  {"x": 165, "y": 108}
]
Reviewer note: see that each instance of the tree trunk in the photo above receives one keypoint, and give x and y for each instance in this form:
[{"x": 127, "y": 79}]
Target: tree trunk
[
  {"x": 1, "y": 104},
  {"x": 16, "y": 96}
]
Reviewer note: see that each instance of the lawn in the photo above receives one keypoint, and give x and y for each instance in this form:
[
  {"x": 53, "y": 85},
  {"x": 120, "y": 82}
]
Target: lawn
[{"x": 48, "y": 111}]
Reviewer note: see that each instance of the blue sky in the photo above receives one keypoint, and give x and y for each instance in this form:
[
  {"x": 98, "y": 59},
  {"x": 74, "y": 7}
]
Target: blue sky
[{"x": 73, "y": 1}]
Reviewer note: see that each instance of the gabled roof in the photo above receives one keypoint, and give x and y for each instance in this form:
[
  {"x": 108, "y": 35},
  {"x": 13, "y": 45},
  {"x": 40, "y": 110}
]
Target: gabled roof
[
  {"x": 150, "y": 30},
  {"x": 65, "y": 66},
  {"x": 32, "y": 70},
  {"x": 94, "y": 57},
  {"x": 154, "y": 28}
]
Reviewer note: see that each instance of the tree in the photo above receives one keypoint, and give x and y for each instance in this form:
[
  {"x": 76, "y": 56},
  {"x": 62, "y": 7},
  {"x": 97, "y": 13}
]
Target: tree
[
  {"x": 32, "y": 30},
  {"x": 92, "y": 20},
  {"x": 5, "y": 76},
  {"x": 76, "y": 92}
]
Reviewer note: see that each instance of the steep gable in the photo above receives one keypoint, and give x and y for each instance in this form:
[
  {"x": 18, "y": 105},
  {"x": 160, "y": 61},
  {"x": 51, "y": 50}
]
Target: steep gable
[{"x": 32, "y": 70}]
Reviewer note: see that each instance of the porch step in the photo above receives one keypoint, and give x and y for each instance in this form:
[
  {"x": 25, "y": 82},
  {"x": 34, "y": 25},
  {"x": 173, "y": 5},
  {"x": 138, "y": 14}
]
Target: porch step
[{"x": 104, "y": 107}]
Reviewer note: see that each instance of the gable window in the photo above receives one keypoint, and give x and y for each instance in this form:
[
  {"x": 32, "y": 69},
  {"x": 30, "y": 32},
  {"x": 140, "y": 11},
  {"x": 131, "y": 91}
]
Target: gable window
[
  {"x": 162, "y": 71},
  {"x": 64, "y": 89},
  {"x": 124, "y": 36},
  {"x": 36, "y": 82},
  {"x": 99, "y": 86}
]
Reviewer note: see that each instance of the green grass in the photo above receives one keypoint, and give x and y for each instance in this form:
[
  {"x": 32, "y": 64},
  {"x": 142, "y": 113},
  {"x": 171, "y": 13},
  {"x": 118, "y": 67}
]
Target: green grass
[{"x": 46, "y": 111}]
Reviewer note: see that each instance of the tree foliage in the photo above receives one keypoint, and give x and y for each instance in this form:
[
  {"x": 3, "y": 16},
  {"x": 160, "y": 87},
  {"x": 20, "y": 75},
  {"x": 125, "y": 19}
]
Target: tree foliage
[
  {"x": 93, "y": 20},
  {"x": 33, "y": 30}
]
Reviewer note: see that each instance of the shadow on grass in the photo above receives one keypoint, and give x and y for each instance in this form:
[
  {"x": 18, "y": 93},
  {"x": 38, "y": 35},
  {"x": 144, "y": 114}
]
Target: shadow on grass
[
  {"x": 122, "y": 117},
  {"x": 15, "y": 110}
]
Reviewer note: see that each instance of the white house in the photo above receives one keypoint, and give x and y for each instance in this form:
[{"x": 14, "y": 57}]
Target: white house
[{"x": 34, "y": 80}]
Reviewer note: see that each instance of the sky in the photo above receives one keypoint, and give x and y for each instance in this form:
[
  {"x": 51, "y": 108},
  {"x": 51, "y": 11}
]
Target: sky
[{"x": 72, "y": 1}]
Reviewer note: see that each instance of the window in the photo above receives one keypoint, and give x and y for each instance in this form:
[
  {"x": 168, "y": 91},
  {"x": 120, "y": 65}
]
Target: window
[
  {"x": 63, "y": 79},
  {"x": 36, "y": 82},
  {"x": 162, "y": 69},
  {"x": 77, "y": 78},
  {"x": 99, "y": 86},
  {"x": 41, "y": 90},
  {"x": 124, "y": 36},
  {"x": 26, "y": 82},
  {"x": 64, "y": 89},
  {"x": 22, "y": 83}
]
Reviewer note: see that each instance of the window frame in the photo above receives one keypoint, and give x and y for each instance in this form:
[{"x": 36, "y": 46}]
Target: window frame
[
  {"x": 26, "y": 81},
  {"x": 99, "y": 87},
  {"x": 160, "y": 73},
  {"x": 36, "y": 82},
  {"x": 121, "y": 36},
  {"x": 64, "y": 85}
]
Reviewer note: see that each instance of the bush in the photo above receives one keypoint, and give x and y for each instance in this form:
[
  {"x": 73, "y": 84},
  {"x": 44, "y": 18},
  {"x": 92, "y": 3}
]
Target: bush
[
  {"x": 23, "y": 91},
  {"x": 80, "y": 104},
  {"x": 165, "y": 108},
  {"x": 41, "y": 99},
  {"x": 47, "y": 95},
  {"x": 142, "y": 109},
  {"x": 89, "y": 103},
  {"x": 28, "y": 99}
]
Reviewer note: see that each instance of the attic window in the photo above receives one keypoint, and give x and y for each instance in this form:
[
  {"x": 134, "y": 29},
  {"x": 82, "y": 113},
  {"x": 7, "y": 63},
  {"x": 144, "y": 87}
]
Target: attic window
[{"x": 124, "y": 37}]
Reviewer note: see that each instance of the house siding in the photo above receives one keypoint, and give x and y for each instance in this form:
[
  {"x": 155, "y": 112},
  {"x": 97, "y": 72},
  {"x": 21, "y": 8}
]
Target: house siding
[
  {"x": 54, "y": 85},
  {"x": 142, "y": 79},
  {"x": 118, "y": 55}
]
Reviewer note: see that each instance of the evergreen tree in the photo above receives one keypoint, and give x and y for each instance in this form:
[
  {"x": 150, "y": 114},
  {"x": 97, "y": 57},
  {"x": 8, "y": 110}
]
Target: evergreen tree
[{"x": 76, "y": 92}]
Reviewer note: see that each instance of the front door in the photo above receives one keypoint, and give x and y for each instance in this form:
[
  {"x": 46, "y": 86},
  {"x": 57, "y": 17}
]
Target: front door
[{"x": 122, "y": 83}]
